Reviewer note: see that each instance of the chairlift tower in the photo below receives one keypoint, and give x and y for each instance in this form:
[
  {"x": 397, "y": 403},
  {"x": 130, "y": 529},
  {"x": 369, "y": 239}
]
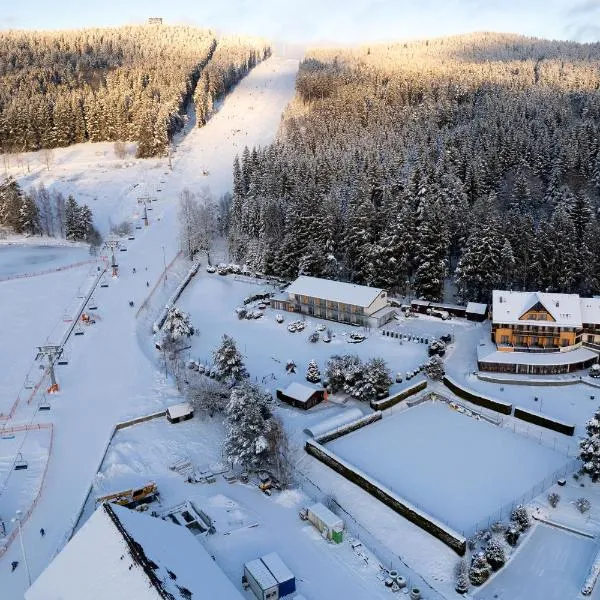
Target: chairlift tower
[
  {"x": 145, "y": 200},
  {"x": 53, "y": 353},
  {"x": 112, "y": 244}
]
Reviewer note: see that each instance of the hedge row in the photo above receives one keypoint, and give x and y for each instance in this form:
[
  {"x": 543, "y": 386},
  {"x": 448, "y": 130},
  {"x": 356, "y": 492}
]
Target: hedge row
[
  {"x": 396, "y": 398},
  {"x": 349, "y": 427},
  {"x": 504, "y": 408},
  {"x": 543, "y": 421},
  {"x": 449, "y": 537}
]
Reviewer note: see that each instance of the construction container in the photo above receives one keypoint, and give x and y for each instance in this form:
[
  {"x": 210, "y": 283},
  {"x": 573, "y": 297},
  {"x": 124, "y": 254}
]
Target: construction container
[
  {"x": 261, "y": 581},
  {"x": 284, "y": 577},
  {"x": 328, "y": 523}
]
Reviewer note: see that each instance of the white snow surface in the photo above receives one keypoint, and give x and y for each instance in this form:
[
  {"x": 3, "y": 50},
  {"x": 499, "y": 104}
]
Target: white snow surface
[
  {"x": 109, "y": 378},
  {"x": 336, "y": 291},
  {"x": 455, "y": 468},
  {"x": 97, "y": 563}
]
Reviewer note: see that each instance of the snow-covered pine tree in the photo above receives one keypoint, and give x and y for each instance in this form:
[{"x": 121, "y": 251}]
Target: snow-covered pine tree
[
  {"x": 461, "y": 572},
  {"x": 589, "y": 448},
  {"x": 520, "y": 517},
  {"x": 178, "y": 324},
  {"x": 248, "y": 425},
  {"x": 313, "y": 373},
  {"x": 228, "y": 360},
  {"x": 72, "y": 220}
]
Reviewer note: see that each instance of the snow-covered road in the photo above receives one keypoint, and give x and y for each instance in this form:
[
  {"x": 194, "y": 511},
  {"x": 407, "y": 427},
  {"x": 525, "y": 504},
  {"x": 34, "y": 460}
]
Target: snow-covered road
[{"x": 108, "y": 377}]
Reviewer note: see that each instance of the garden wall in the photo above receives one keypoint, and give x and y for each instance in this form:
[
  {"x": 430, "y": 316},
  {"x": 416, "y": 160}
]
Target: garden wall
[
  {"x": 334, "y": 434},
  {"x": 396, "y": 398},
  {"x": 448, "y": 536},
  {"x": 544, "y": 421},
  {"x": 504, "y": 408}
]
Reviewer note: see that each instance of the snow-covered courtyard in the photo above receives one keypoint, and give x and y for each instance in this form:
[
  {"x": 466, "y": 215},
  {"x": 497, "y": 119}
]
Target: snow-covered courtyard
[{"x": 460, "y": 470}]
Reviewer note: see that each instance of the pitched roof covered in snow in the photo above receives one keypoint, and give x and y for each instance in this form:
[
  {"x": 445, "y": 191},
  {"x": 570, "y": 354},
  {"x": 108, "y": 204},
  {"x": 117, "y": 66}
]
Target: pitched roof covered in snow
[
  {"x": 335, "y": 291},
  {"x": 122, "y": 554},
  {"x": 476, "y": 308},
  {"x": 176, "y": 411},
  {"x": 509, "y": 307},
  {"x": 299, "y": 391}
]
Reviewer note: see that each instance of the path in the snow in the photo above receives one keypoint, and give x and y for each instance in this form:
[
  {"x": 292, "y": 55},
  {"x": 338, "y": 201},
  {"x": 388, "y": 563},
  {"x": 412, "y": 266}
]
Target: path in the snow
[{"x": 108, "y": 377}]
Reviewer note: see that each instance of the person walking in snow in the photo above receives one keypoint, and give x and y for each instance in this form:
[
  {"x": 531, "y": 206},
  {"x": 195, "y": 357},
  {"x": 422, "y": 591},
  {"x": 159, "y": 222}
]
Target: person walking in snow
[
  {"x": 42, "y": 532},
  {"x": 134, "y": 270},
  {"x": 147, "y": 284},
  {"x": 14, "y": 564}
]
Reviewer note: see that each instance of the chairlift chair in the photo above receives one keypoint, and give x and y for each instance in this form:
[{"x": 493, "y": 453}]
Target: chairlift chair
[
  {"x": 28, "y": 385},
  {"x": 79, "y": 330},
  {"x": 44, "y": 404},
  {"x": 92, "y": 304},
  {"x": 20, "y": 463}
]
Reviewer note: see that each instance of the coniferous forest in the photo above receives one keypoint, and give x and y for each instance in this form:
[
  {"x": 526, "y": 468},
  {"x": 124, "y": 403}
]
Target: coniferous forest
[
  {"x": 475, "y": 158},
  {"x": 129, "y": 83}
]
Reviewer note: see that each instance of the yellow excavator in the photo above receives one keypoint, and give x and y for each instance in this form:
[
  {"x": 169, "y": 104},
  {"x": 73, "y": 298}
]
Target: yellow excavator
[{"x": 132, "y": 498}]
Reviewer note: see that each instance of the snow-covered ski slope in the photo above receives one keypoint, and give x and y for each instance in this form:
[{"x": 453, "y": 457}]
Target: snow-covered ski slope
[
  {"x": 108, "y": 377},
  {"x": 250, "y": 115}
]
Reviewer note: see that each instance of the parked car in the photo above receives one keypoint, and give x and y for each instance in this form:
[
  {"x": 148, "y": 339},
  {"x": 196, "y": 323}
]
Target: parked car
[
  {"x": 356, "y": 338},
  {"x": 446, "y": 338},
  {"x": 222, "y": 269},
  {"x": 595, "y": 371},
  {"x": 279, "y": 318},
  {"x": 211, "y": 269}
]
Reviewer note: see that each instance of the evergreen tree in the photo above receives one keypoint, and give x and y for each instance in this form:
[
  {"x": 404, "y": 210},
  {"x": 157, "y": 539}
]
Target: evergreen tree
[
  {"x": 480, "y": 570},
  {"x": 589, "y": 448},
  {"x": 495, "y": 555},
  {"x": 73, "y": 229},
  {"x": 313, "y": 373},
  {"x": 248, "y": 427},
  {"x": 228, "y": 360}
]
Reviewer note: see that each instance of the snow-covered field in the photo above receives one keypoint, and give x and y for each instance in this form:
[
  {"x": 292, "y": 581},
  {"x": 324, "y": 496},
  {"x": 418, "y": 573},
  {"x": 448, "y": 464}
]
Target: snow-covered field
[
  {"x": 211, "y": 300},
  {"x": 458, "y": 469},
  {"x": 249, "y": 524},
  {"x": 551, "y": 565},
  {"x": 29, "y": 259},
  {"x": 109, "y": 377},
  {"x": 33, "y": 310}
]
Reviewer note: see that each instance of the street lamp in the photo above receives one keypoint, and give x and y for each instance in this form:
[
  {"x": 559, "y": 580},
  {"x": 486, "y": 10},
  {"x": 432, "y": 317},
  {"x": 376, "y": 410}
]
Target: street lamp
[
  {"x": 17, "y": 518},
  {"x": 164, "y": 263}
]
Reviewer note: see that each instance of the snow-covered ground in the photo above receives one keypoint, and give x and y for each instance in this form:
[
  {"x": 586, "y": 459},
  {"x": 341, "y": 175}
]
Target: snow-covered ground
[
  {"x": 460, "y": 470},
  {"x": 248, "y": 523},
  {"x": 211, "y": 300},
  {"x": 109, "y": 377},
  {"x": 551, "y": 565},
  {"x": 25, "y": 259}
]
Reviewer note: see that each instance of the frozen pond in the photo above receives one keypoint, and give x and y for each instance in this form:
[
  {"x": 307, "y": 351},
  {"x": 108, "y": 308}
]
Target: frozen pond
[
  {"x": 456, "y": 468},
  {"x": 25, "y": 259}
]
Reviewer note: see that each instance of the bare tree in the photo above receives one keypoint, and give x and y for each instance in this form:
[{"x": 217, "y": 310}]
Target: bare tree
[
  {"x": 120, "y": 148},
  {"x": 206, "y": 394},
  {"x": 47, "y": 157},
  {"x": 197, "y": 222}
]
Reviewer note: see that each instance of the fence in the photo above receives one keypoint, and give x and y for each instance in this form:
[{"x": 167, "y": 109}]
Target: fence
[
  {"x": 10, "y": 539},
  {"x": 163, "y": 274},
  {"x": 503, "y": 513},
  {"x": 387, "y": 558},
  {"x": 48, "y": 271}
]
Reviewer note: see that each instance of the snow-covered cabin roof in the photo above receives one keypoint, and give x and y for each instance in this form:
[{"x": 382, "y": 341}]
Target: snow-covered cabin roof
[
  {"x": 299, "y": 391},
  {"x": 590, "y": 310},
  {"x": 261, "y": 574},
  {"x": 180, "y": 410},
  {"x": 278, "y": 568},
  {"x": 122, "y": 554},
  {"x": 336, "y": 291},
  {"x": 328, "y": 517},
  {"x": 509, "y": 307},
  {"x": 476, "y": 308}
]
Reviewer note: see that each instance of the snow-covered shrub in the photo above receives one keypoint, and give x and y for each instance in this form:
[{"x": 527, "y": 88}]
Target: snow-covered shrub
[
  {"x": 242, "y": 313},
  {"x": 480, "y": 570},
  {"x": 313, "y": 338},
  {"x": 436, "y": 347},
  {"x": 337, "y": 369},
  {"x": 583, "y": 505},
  {"x": 364, "y": 381},
  {"x": 290, "y": 366},
  {"x": 589, "y": 448},
  {"x": 177, "y": 324},
  {"x": 520, "y": 518},
  {"x": 313, "y": 374},
  {"x": 461, "y": 573},
  {"x": 206, "y": 394},
  {"x": 498, "y": 527},
  {"x": 434, "y": 369},
  {"x": 553, "y": 499},
  {"x": 494, "y": 553},
  {"x": 228, "y": 360},
  {"x": 512, "y": 535}
]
